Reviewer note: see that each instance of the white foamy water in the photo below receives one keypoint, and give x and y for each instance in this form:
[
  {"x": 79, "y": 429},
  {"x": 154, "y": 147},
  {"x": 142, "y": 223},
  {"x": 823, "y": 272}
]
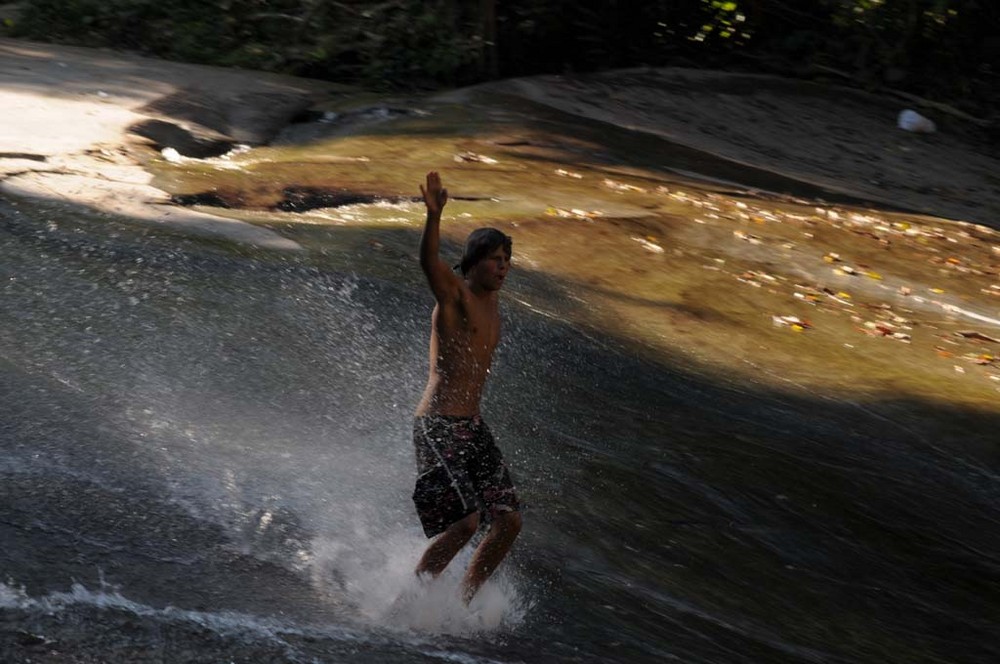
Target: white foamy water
[
  {"x": 376, "y": 576},
  {"x": 226, "y": 623}
]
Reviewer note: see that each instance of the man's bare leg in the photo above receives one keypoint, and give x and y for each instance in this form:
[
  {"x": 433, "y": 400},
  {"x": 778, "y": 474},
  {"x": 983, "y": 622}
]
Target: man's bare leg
[
  {"x": 490, "y": 552},
  {"x": 438, "y": 554},
  {"x": 444, "y": 547}
]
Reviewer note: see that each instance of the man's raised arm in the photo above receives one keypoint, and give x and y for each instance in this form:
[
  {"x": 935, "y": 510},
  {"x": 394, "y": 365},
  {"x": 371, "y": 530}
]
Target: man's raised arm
[{"x": 442, "y": 281}]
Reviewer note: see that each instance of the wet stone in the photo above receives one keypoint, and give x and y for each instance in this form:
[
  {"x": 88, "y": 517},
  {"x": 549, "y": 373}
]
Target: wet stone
[{"x": 300, "y": 199}]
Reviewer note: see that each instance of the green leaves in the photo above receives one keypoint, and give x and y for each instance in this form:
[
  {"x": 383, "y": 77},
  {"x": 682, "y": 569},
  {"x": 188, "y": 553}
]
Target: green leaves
[{"x": 723, "y": 20}]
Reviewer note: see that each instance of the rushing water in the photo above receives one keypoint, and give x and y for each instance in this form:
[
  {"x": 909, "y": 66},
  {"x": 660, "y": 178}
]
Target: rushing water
[{"x": 207, "y": 456}]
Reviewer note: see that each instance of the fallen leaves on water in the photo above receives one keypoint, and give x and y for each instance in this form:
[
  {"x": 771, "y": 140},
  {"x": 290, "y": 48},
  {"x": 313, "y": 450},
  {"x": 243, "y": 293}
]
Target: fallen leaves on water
[
  {"x": 879, "y": 328},
  {"x": 648, "y": 244},
  {"x": 475, "y": 158},
  {"x": 795, "y": 323},
  {"x": 572, "y": 214},
  {"x": 979, "y": 359},
  {"x": 743, "y": 235},
  {"x": 621, "y": 186},
  {"x": 757, "y": 278},
  {"x": 839, "y": 296}
]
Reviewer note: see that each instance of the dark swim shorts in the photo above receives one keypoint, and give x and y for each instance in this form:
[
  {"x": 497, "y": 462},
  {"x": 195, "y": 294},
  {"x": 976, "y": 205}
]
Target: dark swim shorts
[{"x": 460, "y": 470}]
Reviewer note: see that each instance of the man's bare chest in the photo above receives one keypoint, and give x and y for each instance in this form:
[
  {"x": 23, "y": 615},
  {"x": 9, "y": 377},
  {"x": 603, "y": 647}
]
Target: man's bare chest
[{"x": 471, "y": 329}]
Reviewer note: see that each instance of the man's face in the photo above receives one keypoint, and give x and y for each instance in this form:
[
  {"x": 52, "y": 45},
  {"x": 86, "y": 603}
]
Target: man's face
[{"x": 491, "y": 271}]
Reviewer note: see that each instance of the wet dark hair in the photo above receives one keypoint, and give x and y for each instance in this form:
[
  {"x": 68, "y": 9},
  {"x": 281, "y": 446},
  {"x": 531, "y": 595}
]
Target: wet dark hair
[{"x": 480, "y": 243}]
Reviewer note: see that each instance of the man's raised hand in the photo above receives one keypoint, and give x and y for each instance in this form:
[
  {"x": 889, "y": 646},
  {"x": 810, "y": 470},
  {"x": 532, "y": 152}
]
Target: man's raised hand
[{"x": 435, "y": 196}]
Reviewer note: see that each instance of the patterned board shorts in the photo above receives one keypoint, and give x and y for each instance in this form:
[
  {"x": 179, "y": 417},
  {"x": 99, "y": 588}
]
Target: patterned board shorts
[{"x": 460, "y": 470}]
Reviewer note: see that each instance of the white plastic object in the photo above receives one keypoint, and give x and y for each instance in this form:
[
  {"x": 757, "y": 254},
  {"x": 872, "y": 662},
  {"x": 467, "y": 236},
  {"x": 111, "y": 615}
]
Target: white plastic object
[{"x": 910, "y": 120}]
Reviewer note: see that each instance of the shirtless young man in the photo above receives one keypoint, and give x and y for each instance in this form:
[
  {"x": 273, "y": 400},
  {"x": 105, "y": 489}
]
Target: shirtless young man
[{"x": 462, "y": 479}]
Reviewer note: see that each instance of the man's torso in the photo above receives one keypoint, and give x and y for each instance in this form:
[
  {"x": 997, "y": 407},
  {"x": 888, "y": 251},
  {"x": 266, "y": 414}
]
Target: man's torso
[{"x": 464, "y": 334}]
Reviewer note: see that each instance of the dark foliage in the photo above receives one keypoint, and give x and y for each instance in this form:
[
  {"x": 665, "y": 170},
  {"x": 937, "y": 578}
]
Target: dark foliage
[{"x": 947, "y": 49}]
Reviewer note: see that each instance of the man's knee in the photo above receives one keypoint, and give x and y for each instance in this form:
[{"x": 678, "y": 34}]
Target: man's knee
[{"x": 509, "y": 523}]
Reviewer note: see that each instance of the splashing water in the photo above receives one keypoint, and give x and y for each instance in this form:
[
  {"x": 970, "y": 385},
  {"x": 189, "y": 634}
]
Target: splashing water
[
  {"x": 227, "y": 438},
  {"x": 376, "y": 576}
]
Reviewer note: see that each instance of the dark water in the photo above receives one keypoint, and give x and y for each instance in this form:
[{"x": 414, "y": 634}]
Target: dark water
[{"x": 205, "y": 457}]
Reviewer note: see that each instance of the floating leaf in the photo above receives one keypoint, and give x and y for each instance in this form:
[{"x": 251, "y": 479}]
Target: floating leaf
[
  {"x": 794, "y": 322},
  {"x": 475, "y": 158}
]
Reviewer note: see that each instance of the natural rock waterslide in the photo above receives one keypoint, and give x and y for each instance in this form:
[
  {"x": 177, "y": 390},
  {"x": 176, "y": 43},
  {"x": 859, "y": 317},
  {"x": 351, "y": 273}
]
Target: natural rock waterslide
[{"x": 752, "y": 413}]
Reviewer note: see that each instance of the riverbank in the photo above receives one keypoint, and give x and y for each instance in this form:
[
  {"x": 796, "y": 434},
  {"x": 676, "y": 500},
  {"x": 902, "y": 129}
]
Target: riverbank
[
  {"x": 839, "y": 139},
  {"x": 75, "y": 120}
]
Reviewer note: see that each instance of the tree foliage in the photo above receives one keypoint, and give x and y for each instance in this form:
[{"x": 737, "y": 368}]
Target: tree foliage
[{"x": 941, "y": 48}]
